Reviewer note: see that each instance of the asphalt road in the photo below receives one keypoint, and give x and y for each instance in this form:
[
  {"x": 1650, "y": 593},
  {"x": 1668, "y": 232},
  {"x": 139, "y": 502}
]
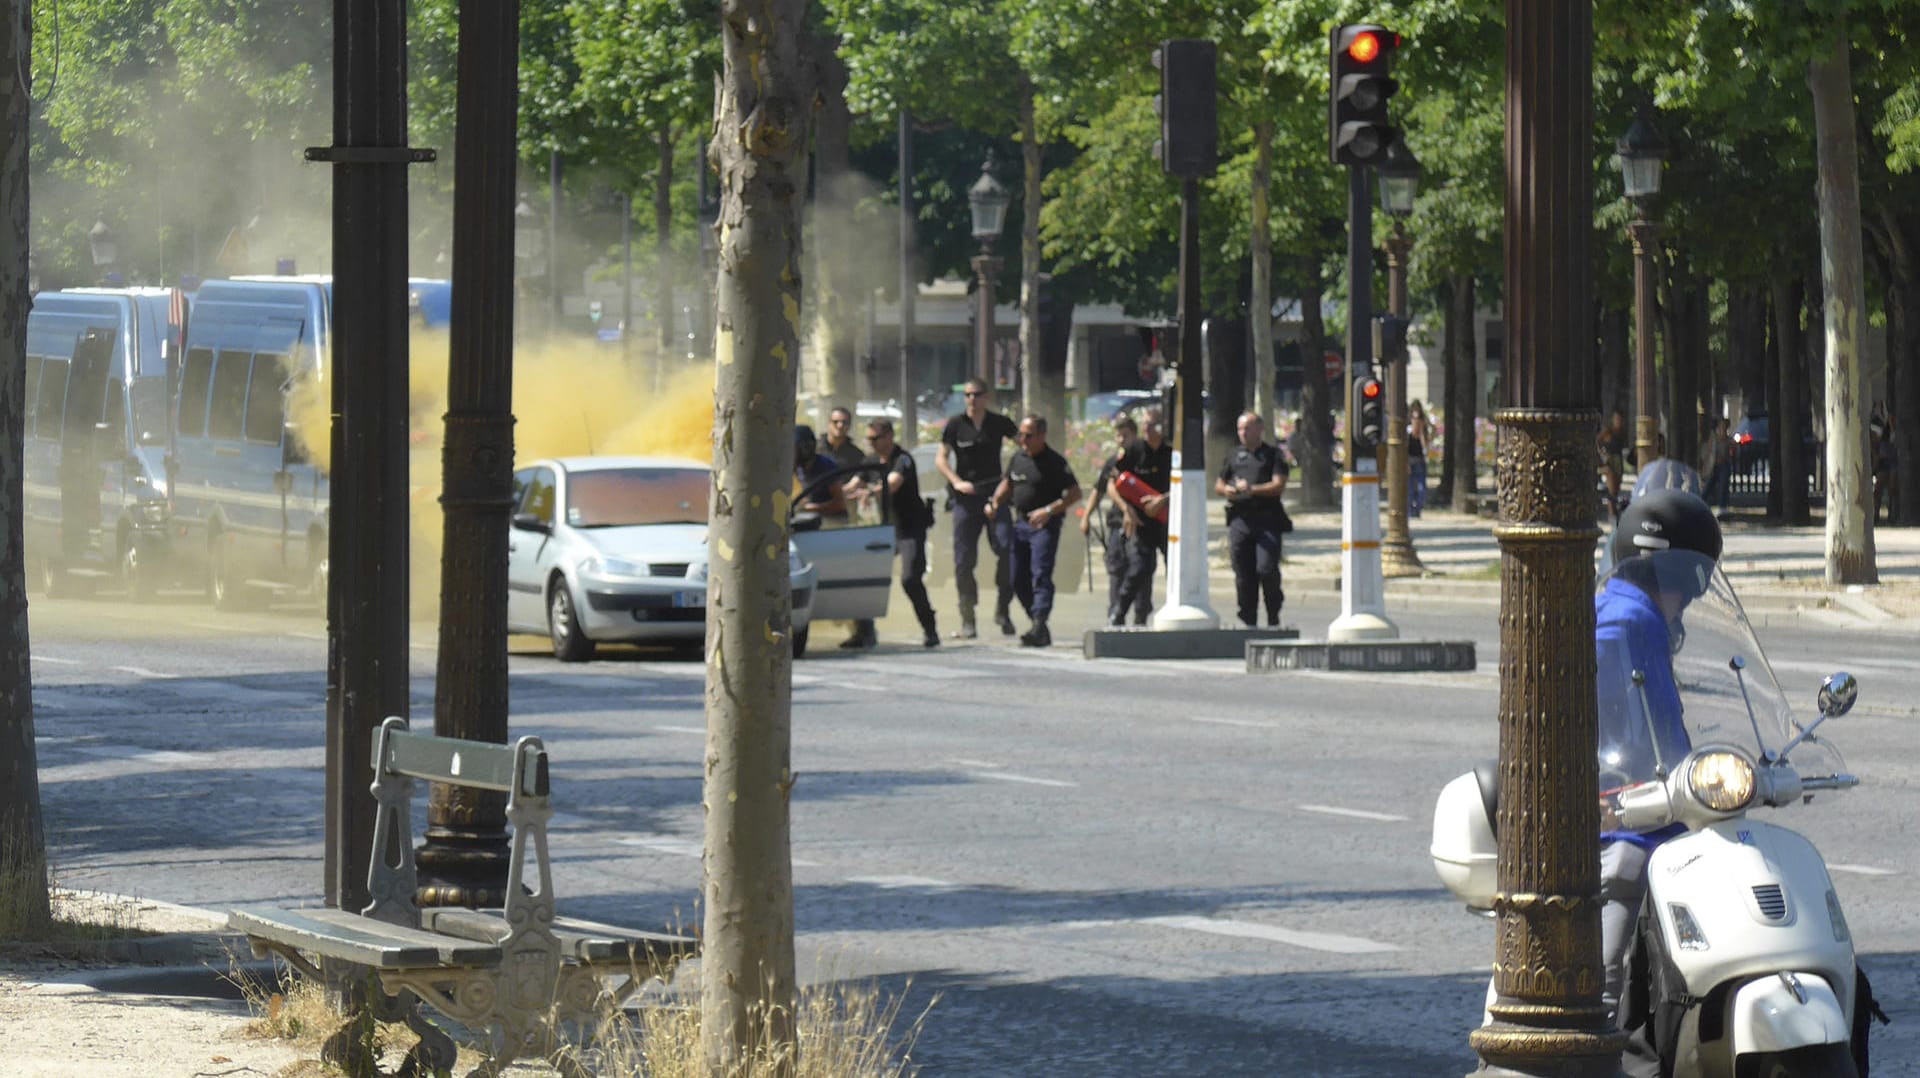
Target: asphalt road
[{"x": 1109, "y": 868}]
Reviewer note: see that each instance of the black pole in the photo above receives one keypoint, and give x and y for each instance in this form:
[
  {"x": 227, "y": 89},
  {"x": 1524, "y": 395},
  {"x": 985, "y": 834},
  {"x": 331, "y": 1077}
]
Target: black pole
[
  {"x": 909, "y": 432},
  {"x": 1359, "y": 289},
  {"x": 367, "y": 537},
  {"x": 1192, "y": 438},
  {"x": 464, "y": 859}
]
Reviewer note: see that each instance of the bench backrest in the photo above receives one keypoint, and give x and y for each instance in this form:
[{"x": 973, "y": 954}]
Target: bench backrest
[{"x": 456, "y": 762}]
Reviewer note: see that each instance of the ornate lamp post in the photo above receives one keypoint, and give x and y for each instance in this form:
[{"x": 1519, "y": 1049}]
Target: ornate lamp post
[
  {"x": 1642, "y": 154},
  {"x": 101, "y": 245},
  {"x": 527, "y": 237},
  {"x": 1399, "y": 179},
  {"x": 988, "y": 200}
]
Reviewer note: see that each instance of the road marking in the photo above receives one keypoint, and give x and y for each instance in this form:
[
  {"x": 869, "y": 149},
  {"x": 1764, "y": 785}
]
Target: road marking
[
  {"x": 984, "y": 765},
  {"x": 151, "y": 756},
  {"x": 902, "y": 883},
  {"x": 51, "y": 661},
  {"x": 218, "y": 627},
  {"x": 141, "y": 671},
  {"x": 1249, "y": 723},
  {"x": 1007, "y": 776},
  {"x": 1214, "y": 926},
  {"x": 309, "y": 636},
  {"x": 701, "y": 730},
  {"x": 1864, "y": 870},
  {"x": 679, "y": 847},
  {"x": 1358, "y": 814}
]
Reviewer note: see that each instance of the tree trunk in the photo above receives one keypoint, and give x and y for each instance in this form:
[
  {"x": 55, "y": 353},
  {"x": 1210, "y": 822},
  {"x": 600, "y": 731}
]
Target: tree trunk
[
  {"x": 1260, "y": 291},
  {"x": 1850, "y": 556},
  {"x": 1449, "y": 332},
  {"x": 835, "y": 313},
  {"x": 1786, "y": 428},
  {"x": 1903, "y": 360},
  {"x": 1316, "y": 417},
  {"x": 668, "y": 357},
  {"x": 1463, "y": 394},
  {"x": 1746, "y": 346},
  {"x": 748, "y": 991},
  {"x": 1226, "y": 379},
  {"x": 1784, "y": 347},
  {"x": 23, "y": 854},
  {"x": 1615, "y": 364}
]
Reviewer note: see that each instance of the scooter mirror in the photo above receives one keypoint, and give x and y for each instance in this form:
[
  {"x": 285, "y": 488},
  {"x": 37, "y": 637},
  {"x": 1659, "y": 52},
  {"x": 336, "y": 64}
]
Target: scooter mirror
[{"x": 1837, "y": 694}]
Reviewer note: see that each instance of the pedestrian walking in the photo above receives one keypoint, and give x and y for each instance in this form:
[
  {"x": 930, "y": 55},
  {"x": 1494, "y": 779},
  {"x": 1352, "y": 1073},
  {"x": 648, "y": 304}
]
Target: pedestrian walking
[
  {"x": 840, "y": 446},
  {"x": 912, "y": 516},
  {"x": 969, "y": 458},
  {"x": 1252, "y": 479},
  {"x": 1040, "y": 486},
  {"x": 1419, "y": 437}
]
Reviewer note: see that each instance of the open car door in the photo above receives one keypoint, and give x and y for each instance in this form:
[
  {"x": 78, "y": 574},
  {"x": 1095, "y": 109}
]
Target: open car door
[{"x": 851, "y": 552}]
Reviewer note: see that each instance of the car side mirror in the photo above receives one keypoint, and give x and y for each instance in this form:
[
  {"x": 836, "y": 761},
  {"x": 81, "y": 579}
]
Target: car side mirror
[
  {"x": 1838, "y": 691},
  {"x": 529, "y": 522},
  {"x": 806, "y": 520}
]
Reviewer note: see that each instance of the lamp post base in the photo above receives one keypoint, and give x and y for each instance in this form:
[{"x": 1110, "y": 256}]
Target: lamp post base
[
  {"x": 1185, "y": 617},
  {"x": 1362, "y": 625},
  {"x": 1397, "y": 559}
]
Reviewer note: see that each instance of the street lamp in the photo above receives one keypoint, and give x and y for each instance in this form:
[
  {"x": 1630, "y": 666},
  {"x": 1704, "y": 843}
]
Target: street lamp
[
  {"x": 1642, "y": 153},
  {"x": 1399, "y": 174},
  {"x": 526, "y": 250},
  {"x": 101, "y": 244},
  {"x": 988, "y": 200}
]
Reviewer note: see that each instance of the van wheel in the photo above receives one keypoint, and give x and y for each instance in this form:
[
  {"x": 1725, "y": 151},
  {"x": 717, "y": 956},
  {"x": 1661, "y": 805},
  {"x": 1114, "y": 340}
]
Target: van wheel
[
  {"x": 52, "y": 580},
  {"x": 136, "y": 574},
  {"x": 1814, "y": 1061},
  {"x": 800, "y": 642},
  {"x": 570, "y": 643},
  {"x": 226, "y": 592}
]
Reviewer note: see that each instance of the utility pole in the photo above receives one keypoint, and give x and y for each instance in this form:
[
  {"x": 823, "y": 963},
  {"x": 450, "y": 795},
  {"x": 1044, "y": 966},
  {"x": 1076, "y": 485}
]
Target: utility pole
[
  {"x": 367, "y": 655},
  {"x": 464, "y": 859},
  {"x": 1548, "y": 1018}
]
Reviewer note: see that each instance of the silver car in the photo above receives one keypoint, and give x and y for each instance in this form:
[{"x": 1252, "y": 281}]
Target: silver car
[{"x": 614, "y": 549}]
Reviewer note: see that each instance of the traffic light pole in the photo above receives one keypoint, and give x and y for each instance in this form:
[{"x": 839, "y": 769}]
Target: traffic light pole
[
  {"x": 1363, "y": 601},
  {"x": 1187, "y": 606}
]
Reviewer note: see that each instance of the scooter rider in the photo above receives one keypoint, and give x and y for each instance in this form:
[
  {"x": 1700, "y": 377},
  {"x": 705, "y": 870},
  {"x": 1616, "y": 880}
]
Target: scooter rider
[{"x": 1637, "y": 628}]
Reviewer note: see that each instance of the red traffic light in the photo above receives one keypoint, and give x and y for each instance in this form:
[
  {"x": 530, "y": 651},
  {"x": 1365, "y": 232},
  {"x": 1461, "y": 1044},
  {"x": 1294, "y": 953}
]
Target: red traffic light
[
  {"x": 1365, "y": 47},
  {"x": 1370, "y": 388}
]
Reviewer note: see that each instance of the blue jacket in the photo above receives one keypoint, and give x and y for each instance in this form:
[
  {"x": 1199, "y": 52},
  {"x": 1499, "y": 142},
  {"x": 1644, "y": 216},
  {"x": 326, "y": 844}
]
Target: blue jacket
[{"x": 1631, "y": 634}]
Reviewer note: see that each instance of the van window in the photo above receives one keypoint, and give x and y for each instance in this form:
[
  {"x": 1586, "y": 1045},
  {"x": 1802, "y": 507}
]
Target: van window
[
  {"x": 193, "y": 393},
  {"x": 226, "y": 412},
  {"x": 266, "y": 399},
  {"x": 33, "y": 390},
  {"x": 49, "y": 402},
  {"x": 116, "y": 415},
  {"x": 149, "y": 400}
]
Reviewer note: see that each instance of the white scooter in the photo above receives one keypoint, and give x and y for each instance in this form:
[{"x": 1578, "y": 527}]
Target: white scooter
[{"x": 1746, "y": 965}]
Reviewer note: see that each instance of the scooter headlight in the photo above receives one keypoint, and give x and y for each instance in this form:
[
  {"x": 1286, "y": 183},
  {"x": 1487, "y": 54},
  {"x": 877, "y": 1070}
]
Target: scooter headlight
[{"x": 1721, "y": 780}]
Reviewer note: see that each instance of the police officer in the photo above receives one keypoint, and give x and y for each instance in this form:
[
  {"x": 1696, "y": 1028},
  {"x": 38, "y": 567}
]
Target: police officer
[
  {"x": 1120, "y": 532},
  {"x": 1251, "y": 480},
  {"x": 840, "y": 446},
  {"x": 1150, "y": 459},
  {"x": 911, "y": 518},
  {"x": 969, "y": 458},
  {"x": 1040, "y": 486}
]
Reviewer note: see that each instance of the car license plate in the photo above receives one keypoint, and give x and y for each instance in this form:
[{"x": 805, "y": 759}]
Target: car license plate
[{"x": 689, "y": 599}]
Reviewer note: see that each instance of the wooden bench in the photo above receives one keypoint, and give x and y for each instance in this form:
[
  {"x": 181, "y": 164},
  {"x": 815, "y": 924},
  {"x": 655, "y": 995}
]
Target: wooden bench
[{"x": 518, "y": 972}]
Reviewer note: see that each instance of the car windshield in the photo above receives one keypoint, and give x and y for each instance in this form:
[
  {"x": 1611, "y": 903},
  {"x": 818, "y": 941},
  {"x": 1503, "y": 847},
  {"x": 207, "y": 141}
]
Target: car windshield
[{"x": 624, "y": 497}]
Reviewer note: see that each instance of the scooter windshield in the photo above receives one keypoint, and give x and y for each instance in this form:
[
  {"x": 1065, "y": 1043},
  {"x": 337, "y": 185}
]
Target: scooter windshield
[{"x": 1678, "y": 667}]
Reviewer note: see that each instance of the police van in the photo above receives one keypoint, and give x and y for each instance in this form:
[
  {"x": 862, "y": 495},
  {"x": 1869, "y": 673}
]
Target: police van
[
  {"x": 97, "y": 437},
  {"x": 249, "y": 502}
]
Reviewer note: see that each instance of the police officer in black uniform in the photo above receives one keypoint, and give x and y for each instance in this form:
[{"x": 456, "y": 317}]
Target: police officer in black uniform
[
  {"x": 1151, "y": 459},
  {"x": 1040, "y": 485},
  {"x": 1119, "y": 538},
  {"x": 969, "y": 458},
  {"x": 911, "y": 517},
  {"x": 1251, "y": 480}
]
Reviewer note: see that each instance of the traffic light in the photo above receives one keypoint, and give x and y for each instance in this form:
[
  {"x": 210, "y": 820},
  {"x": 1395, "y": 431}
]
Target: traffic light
[
  {"x": 1390, "y": 338},
  {"x": 1189, "y": 130},
  {"x": 1359, "y": 59},
  {"x": 1368, "y": 424}
]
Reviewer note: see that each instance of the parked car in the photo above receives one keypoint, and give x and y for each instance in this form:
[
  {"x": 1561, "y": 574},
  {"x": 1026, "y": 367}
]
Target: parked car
[
  {"x": 1750, "y": 440},
  {"x": 614, "y": 549}
]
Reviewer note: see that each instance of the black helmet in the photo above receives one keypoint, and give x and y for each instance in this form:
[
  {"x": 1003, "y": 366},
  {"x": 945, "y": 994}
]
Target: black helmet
[
  {"x": 804, "y": 443},
  {"x": 1667, "y": 519}
]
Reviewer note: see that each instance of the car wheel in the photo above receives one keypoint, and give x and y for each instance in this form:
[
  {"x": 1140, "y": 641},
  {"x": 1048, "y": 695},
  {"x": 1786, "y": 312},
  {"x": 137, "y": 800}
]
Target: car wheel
[
  {"x": 570, "y": 643},
  {"x": 226, "y": 592},
  {"x": 136, "y": 573},
  {"x": 317, "y": 577},
  {"x": 800, "y": 642}
]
